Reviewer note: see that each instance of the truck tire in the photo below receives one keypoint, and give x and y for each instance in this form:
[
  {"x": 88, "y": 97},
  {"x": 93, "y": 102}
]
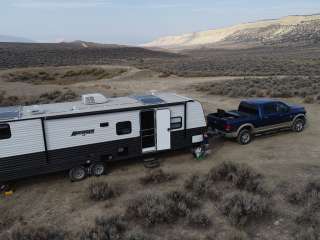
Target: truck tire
[
  {"x": 77, "y": 174},
  {"x": 244, "y": 137},
  {"x": 98, "y": 169},
  {"x": 298, "y": 125}
]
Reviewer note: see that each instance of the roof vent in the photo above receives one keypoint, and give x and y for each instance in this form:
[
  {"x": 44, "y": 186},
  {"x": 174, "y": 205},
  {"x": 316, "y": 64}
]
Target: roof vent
[{"x": 95, "y": 98}]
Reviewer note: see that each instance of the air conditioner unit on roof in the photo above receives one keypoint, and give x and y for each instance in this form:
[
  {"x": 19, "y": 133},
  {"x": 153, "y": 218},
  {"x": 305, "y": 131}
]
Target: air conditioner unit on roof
[{"x": 95, "y": 98}]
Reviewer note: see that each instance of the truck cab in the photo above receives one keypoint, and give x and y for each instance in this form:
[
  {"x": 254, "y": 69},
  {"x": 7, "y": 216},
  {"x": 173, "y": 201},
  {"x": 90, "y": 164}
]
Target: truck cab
[{"x": 257, "y": 116}]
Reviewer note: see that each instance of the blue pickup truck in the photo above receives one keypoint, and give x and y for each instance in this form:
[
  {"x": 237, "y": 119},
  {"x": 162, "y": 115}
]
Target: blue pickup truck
[{"x": 257, "y": 116}]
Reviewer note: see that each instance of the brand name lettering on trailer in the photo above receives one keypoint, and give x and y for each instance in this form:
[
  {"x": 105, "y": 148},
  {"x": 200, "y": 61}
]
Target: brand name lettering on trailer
[{"x": 82, "y": 133}]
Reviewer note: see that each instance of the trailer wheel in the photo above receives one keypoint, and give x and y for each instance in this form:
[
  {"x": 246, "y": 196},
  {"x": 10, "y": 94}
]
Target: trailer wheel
[
  {"x": 244, "y": 137},
  {"x": 77, "y": 174},
  {"x": 98, "y": 169}
]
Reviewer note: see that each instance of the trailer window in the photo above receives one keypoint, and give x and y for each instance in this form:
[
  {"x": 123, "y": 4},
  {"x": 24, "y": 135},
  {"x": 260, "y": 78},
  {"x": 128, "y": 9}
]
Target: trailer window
[
  {"x": 5, "y": 131},
  {"x": 124, "y": 128},
  {"x": 176, "y": 123},
  {"x": 105, "y": 124}
]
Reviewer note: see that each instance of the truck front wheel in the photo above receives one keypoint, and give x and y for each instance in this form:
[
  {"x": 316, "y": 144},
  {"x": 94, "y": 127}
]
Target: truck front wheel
[
  {"x": 244, "y": 137},
  {"x": 298, "y": 125}
]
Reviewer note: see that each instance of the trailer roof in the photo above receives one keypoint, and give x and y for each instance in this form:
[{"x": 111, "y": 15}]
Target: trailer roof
[{"x": 79, "y": 108}]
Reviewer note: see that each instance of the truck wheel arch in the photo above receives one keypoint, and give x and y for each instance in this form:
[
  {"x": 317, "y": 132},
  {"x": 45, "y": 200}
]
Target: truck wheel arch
[
  {"x": 299, "y": 116},
  {"x": 245, "y": 126}
]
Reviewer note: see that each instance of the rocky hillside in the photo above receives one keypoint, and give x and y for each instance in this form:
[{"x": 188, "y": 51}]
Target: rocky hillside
[{"x": 286, "y": 31}]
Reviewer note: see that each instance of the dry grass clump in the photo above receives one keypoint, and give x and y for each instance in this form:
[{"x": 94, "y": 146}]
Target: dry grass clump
[
  {"x": 276, "y": 87},
  {"x": 153, "y": 209},
  {"x": 156, "y": 177},
  {"x": 237, "y": 235},
  {"x": 45, "y": 98},
  {"x": 63, "y": 76},
  {"x": 199, "y": 220},
  {"x": 202, "y": 186},
  {"x": 101, "y": 191},
  {"x": 308, "y": 221},
  {"x": 310, "y": 193},
  {"x": 241, "y": 207},
  {"x": 110, "y": 228},
  {"x": 241, "y": 176},
  {"x": 37, "y": 233}
]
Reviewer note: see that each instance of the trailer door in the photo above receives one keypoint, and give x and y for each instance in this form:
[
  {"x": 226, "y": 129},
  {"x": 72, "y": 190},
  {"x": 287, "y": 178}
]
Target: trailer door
[{"x": 163, "y": 129}]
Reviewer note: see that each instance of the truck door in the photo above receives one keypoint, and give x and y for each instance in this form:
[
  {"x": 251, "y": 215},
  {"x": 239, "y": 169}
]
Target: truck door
[
  {"x": 284, "y": 114},
  {"x": 269, "y": 115},
  {"x": 163, "y": 129}
]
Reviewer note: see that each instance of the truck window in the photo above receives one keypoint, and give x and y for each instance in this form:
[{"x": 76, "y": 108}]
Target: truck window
[
  {"x": 270, "y": 108},
  {"x": 249, "y": 109},
  {"x": 282, "y": 108},
  {"x": 5, "y": 131}
]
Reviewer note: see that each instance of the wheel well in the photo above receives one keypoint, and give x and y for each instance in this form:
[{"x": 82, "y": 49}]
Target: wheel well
[
  {"x": 302, "y": 118},
  {"x": 245, "y": 127}
]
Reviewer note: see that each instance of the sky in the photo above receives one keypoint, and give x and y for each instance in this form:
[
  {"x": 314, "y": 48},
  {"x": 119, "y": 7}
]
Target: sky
[{"x": 135, "y": 21}]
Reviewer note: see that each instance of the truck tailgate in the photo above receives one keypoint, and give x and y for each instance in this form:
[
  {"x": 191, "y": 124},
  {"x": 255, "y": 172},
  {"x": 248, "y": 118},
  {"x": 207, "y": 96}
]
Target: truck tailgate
[{"x": 215, "y": 122}]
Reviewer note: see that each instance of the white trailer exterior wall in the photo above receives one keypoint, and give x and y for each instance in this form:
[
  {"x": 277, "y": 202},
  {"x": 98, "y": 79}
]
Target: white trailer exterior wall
[{"x": 26, "y": 138}]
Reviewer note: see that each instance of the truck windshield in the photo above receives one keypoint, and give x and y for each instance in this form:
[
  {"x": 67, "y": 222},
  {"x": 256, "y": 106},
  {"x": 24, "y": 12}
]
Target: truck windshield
[{"x": 247, "y": 108}]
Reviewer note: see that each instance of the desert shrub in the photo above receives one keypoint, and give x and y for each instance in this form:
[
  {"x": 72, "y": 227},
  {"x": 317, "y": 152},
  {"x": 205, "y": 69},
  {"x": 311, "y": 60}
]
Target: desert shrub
[
  {"x": 310, "y": 193},
  {"x": 240, "y": 175},
  {"x": 156, "y": 177},
  {"x": 110, "y": 228},
  {"x": 309, "y": 216},
  {"x": 165, "y": 74},
  {"x": 199, "y": 220},
  {"x": 242, "y": 207},
  {"x": 137, "y": 235},
  {"x": 2, "y": 94},
  {"x": 100, "y": 191},
  {"x": 309, "y": 99},
  {"x": 202, "y": 186},
  {"x": 37, "y": 233},
  {"x": 277, "y": 87},
  {"x": 154, "y": 209},
  {"x": 308, "y": 233},
  {"x": 237, "y": 235}
]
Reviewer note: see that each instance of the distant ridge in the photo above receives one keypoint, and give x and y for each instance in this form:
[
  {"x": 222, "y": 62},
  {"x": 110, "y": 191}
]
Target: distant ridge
[
  {"x": 299, "y": 29},
  {"x": 7, "y": 38}
]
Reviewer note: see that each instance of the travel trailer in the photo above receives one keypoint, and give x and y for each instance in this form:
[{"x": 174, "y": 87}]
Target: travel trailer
[{"x": 82, "y": 137}]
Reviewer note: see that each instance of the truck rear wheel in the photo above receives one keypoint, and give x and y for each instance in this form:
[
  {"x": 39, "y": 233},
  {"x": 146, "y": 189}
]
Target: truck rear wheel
[
  {"x": 77, "y": 174},
  {"x": 298, "y": 125},
  {"x": 244, "y": 137},
  {"x": 98, "y": 169}
]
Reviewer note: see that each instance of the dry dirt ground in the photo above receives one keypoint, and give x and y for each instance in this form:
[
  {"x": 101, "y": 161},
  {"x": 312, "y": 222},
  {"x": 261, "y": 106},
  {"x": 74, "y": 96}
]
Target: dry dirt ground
[{"x": 287, "y": 160}]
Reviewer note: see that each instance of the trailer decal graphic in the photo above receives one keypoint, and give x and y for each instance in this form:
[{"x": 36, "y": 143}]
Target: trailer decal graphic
[{"x": 82, "y": 133}]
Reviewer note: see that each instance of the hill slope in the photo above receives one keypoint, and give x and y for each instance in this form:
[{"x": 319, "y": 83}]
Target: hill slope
[
  {"x": 5, "y": 38},
  {"x": 287, "y": 30},
  {"x": 15, "y": 55}
]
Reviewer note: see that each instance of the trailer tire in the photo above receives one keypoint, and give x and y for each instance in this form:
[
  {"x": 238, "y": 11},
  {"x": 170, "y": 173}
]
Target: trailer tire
[
  {"x": 98, "y": 169},
  {"x": 77, "y": 174},
  {"x": 244, "y": 137}
]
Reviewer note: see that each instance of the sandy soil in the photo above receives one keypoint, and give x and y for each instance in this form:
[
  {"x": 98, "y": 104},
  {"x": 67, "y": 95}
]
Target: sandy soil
[{"x": 286, "y": 159}]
